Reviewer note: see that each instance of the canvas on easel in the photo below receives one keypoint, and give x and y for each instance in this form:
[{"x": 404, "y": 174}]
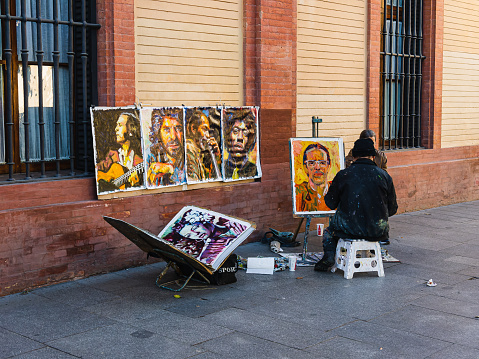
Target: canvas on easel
[{"x": 314, "y": 163}]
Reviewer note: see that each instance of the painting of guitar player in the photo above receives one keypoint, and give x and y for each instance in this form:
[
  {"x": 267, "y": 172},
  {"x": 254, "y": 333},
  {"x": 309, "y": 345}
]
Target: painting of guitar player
[
  {"x": 163, "y": 142},
  {"x": 118, "y": 150}
]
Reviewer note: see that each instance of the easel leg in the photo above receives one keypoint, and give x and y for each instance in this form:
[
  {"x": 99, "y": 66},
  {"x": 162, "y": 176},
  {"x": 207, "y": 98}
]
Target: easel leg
[
  {"x": 297, "y": 229},
  {"x": 305, "y": 243}
]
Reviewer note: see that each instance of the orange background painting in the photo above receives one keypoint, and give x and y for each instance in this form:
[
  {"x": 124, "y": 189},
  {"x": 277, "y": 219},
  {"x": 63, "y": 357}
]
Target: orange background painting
[{"x": 298, "y": 149}]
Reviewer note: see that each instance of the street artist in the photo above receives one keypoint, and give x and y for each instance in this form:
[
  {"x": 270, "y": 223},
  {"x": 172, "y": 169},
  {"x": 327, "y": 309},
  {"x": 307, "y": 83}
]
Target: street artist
[{"x": 364, "y": 197}]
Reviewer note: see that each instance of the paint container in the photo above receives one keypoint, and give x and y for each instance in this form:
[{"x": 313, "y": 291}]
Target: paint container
[
  {"x": 292, "y": 263},
  {"x": 320, "y": 229},
  {"x": 275, "y": 247}
]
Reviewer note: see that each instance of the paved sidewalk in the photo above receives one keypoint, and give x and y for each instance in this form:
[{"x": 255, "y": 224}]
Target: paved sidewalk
[{"x": 302, "y": 314}]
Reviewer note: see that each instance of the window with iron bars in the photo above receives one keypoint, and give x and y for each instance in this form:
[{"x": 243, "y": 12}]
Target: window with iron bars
[
  {"x": 47, "y": 84},
  {"x": 401, "y": 73}
]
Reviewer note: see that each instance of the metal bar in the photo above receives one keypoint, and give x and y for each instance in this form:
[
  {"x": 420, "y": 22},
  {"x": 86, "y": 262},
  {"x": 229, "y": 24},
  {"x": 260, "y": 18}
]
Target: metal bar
[
  {"x": 71, "y": 58},
  {"x": 24, "y": 55},
  {"x": 403, "y": 82},
  {"x": 49, "y": 21},
  {"x": 84, "y": 59},
  {"x": 413, "y": 75},
  {"x": 396, "y": 76},
  {"x": 407, "y": 108},
  {"x": 420, "y": 37},
  {"x": 41, "y": 119},
  {"x": 56, "y": 86},
  {"x": 389, "y": 76},
  {"x": 8, "y": 93}
]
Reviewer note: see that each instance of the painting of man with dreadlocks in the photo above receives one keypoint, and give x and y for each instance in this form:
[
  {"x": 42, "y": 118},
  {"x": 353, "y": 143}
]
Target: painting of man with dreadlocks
[
  {"x": 241, "y": 143},
  {"x": 204, "y": 234},
  {"x": 163, "y": 136}
]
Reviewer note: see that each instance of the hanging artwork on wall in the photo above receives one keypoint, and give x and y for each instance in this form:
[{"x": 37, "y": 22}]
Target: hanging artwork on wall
[
  {"x": 314, "y": 164},
  {"x": 117, "y": 148},
  {"x": 240, "y": 143},
  {"x": 203, "y": 144},
  {"x": 163, "y": 141}
]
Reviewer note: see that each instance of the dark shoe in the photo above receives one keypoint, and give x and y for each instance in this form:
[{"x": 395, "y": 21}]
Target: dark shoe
[
  {"x": 384, "y": 243},
  {"x": 323, "y": 265}
]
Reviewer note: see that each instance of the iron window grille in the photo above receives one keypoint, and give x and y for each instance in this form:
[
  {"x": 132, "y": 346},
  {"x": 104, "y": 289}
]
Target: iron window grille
[
  {"x": 47, "y": 84},
  {"x": 401, "y": 64}
]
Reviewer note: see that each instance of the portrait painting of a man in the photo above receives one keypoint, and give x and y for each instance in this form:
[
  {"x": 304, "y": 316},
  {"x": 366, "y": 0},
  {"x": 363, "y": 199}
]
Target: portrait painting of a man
[
  {"x": 163, "y": 136},
  {"x": 203, "y": 234},
  {"x": 241, "y": 143},
  {"x": 118, "y": 149},
  {"x": 203, "y": 138},
  {"x": 314, "y": 163}
]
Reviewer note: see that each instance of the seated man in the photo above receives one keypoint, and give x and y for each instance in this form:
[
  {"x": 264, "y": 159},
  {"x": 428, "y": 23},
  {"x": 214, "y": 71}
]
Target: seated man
[{"x": 364, "y": 197}]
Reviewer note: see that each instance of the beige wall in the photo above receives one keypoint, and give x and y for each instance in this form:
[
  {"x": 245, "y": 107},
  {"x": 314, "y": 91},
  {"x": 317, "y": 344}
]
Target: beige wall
[
  {"x": 460, "y": 101},
  {"x": 332, "y": 67},
  {"x": 189, "y": 52}
]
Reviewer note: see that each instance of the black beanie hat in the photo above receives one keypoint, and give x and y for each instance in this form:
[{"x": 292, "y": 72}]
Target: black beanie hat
[{"x": 364, "y": 147}]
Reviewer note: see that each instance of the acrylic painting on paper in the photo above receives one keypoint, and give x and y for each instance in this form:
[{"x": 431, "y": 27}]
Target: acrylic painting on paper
[
  {"x": 117, "y": 148},
  {"x": 203, "y": 144},
  {"x": 163, "y": 141},
  {"x": 314, "y": 164},
  {"x": 206, "y": 235},
  {"x": 240, "y": 143}
]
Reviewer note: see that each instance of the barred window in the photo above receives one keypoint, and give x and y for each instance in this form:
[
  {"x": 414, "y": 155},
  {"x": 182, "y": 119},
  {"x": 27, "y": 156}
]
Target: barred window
[
  {"x": 401, "y": 64},
  {"x": 47, "y": 77}
]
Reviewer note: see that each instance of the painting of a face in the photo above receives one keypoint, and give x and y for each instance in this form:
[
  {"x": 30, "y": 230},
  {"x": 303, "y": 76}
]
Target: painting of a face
[
  {"x": 314, "y": 164},
  {"x": 203, "y": 133},
  {"x": 317, "y": 166},
  {"x": 195, "y": 231},
  {"x": 171, "y": 135},
  {"x": 238, "y": 139},
  {"x": 121, "y": 129}
]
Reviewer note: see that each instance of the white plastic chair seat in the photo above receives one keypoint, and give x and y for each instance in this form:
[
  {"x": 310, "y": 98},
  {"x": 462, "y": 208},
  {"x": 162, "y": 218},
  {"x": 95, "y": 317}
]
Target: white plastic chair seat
[{"x": 358, "y": 255}]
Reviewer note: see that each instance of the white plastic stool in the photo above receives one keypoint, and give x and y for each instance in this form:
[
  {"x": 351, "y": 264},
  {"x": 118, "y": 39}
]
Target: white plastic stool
[{"x": 358, "y": 255}]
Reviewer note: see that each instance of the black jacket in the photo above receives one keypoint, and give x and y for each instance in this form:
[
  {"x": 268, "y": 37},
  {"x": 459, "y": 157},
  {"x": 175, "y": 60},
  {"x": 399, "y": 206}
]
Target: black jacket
[{"x": 364, "y": 197}]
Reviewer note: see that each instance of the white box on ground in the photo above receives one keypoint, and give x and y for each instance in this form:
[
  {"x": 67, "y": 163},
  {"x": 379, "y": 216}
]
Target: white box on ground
[{"x": 257, "y": 265}]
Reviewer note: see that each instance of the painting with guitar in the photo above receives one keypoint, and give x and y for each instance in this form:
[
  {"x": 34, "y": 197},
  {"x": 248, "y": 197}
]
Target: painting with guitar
[{"x": 118, "y": 149}]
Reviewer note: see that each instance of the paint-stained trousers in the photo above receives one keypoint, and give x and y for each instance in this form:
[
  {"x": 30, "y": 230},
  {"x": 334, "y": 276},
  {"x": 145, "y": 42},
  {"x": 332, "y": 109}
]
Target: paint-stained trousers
[{"x": 329, "y": 245}]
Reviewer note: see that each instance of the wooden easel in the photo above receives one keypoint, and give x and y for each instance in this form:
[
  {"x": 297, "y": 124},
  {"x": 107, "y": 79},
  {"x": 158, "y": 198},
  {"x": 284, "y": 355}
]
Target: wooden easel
[{"x": 304, "y": 261}]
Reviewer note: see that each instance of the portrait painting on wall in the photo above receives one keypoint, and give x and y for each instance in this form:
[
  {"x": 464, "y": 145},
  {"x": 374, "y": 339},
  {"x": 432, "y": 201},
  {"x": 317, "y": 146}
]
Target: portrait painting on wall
[
  {"x": 203, "y": 144},
  {"x": 314, "y": 164},
  {"x": 206, "y": 235},
  {"x": 117, "y": 149},
  {"x": 240, "y": 143},
  {"x": 164, "y": 145}
]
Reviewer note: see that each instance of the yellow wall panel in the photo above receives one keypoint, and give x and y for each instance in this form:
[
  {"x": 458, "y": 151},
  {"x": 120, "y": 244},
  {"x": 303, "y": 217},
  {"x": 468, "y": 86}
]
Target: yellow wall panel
[
  {"x": 189, "y": 52},
  {"x": 460, "y": 97},
  {"x": 331, "y": 67}
]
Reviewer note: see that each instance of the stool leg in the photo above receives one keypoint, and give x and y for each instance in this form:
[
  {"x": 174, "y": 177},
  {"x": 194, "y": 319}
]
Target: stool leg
[
  {"x": 380, "y": 260},
  {"x": 350, "y": 257}
]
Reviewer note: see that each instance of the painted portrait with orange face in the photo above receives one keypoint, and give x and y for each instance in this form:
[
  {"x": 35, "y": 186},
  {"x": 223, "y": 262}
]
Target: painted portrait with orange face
[{"x": 314, "y": 163}]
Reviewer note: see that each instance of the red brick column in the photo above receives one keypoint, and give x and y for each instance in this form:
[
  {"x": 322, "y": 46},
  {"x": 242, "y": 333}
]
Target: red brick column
[
  {"x": 116, "y": 52},
  {"x": 373, "y": 65}
]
